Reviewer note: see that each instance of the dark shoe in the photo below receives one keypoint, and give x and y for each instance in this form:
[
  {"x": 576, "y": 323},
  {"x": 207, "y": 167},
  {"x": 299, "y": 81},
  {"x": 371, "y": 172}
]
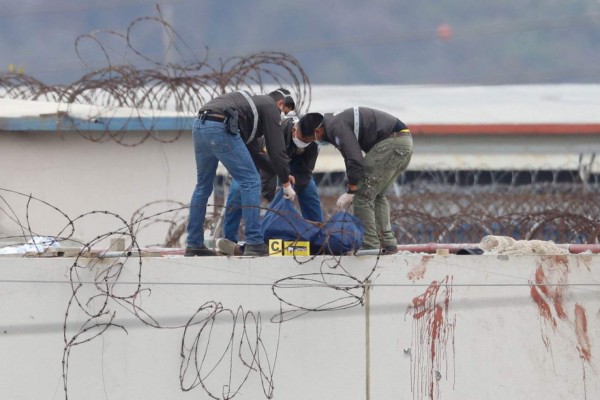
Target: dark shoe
[
  {"x": 257, "y": 250},
  {"x": 200, "y": 252},
  {"x": 390, "y": 249},
  {"x": 229, "y": 248}
]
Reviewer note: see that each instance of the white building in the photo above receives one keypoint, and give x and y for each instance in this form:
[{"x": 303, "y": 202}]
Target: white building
[{"x": 83, "y": 158}]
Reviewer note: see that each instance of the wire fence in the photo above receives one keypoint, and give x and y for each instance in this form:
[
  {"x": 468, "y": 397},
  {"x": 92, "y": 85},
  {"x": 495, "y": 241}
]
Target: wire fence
[
  {"x": 426, "y": 206},
  {"x": 451, "y": 210},
  {"x": 132, "y": 79}
]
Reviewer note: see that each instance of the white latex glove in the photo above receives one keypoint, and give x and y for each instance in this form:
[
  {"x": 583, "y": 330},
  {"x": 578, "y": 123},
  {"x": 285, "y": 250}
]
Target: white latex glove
[
  {"x": 344, "y": 201},
  {"x": 289, "y": 193}
]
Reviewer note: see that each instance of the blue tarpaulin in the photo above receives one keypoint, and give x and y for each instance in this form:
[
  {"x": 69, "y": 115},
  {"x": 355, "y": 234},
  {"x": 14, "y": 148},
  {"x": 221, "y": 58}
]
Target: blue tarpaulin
[{"x": 343, "y": 233}]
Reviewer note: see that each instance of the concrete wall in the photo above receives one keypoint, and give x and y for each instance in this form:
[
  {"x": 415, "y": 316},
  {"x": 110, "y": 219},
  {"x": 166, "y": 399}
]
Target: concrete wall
[
  {"x": 74, "y": 176},
  {"x": 79, "y": 176},
  {"x": 430, "y": 327}
]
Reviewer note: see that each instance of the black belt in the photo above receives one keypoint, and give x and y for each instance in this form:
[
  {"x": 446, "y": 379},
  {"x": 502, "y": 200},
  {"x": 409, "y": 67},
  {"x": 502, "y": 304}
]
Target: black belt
[{"x": 208, "y": 116}]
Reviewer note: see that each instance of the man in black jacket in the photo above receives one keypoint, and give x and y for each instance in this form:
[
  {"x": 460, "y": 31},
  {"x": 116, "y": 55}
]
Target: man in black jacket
[
  {"x": 388, "y": 147},
  {"x": 226, "y": 130},
  {"x": 303, "y": 157}
]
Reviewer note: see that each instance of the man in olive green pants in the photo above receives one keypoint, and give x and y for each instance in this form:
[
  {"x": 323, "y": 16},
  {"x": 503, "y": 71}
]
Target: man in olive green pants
[
  {"x": 382, "y": 165},
  {"x": 388, "y": 147}
]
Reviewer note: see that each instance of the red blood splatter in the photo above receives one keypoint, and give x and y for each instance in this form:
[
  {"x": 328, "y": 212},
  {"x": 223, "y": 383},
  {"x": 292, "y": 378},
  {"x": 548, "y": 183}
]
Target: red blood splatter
[
  {"x": 583, "y": 341},
  {"x": 418, "y": 271},
  {"x": 558, "y": 259},
  {"x": 551, "y": 286},
  {"x": 540, "y": 278},
  {"x": 542, "y": 305},
  {"x": 436, "y": 326},
  {"x": 420, "y": 302},
  {"x": 551, "y": 277},
  {"x": 586, "y": 260},
  {"x": 433, "y": 328}
]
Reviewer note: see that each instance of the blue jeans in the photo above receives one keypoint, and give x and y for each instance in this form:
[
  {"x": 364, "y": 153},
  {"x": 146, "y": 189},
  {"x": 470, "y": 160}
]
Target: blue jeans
[
  {"x": 233, "y": 212},
  {"x": 212, "y": 143},
  {"x": 308, "y": 197}
]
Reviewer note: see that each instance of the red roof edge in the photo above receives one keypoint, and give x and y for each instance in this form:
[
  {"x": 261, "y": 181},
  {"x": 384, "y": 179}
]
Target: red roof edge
[{"x": 505, "y": 129}]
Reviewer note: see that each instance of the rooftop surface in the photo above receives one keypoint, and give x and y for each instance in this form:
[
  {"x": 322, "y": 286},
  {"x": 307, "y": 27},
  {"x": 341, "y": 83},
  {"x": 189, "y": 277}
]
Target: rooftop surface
[{"x": 421, "y": 107}]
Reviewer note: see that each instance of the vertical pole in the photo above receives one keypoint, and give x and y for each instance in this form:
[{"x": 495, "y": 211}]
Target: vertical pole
[
  {"x": 168, "y": 15},
  {"x": 368, "y": 339}
]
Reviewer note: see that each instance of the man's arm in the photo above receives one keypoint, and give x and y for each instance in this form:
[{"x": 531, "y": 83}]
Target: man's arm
[
  {"x": 275, "y": 145},
  {"x": 352, "y": 153},
  {"x": 304, "y": 165},
  {"x": 261, "y": 160}
]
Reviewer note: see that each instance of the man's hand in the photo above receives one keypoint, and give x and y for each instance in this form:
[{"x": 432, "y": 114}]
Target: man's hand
[
  {"x": 344, "y": 201},
  {"x": 288, "y": 192}
]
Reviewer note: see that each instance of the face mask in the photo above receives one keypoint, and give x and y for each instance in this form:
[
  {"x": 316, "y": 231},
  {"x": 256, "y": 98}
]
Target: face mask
[
  {"x": 299, "y": 143},
  {"x": 320, "y": 142}
]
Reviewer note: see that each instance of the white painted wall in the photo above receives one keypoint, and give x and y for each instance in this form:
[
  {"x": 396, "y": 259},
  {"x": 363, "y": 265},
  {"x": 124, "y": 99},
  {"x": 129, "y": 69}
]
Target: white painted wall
[
  {"x": 479, "y": 335},
  {"x": 79, "y": 176}
]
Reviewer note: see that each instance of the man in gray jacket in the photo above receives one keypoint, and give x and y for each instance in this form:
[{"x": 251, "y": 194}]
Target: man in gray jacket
[
  {"x": 226, "y": 130},
  {"x": 388, "y": 147}
]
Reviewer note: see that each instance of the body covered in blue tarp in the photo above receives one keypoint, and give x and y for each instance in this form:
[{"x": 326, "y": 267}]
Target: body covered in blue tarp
[{"x": 342, "y": 233}]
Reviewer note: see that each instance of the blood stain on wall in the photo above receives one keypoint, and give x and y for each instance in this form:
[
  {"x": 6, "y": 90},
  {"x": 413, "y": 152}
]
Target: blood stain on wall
[
  {"x": 418, "y": 271},
  {"x": 586, "y": 260},
  {"x": 551, "y": 276},
  {"x": 583, "y": 340},
  {"x": 548, "y": 292},
  {"x": 433, "y": 331}
]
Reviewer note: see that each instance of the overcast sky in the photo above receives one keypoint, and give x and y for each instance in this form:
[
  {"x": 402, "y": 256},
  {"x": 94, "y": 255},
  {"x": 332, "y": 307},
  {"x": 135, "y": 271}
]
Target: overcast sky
[{"x": 337, "y": 41}]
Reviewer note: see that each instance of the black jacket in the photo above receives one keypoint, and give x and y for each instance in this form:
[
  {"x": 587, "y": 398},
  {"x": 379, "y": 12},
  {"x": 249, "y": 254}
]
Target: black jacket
[
  {"x": 268, "y": 127},
  {"x": 374, "y": 126},
  {"x": 302, "y": 161}
]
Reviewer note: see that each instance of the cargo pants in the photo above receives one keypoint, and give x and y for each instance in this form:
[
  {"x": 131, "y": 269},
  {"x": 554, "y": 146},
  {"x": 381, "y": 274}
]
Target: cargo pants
[{"x": 382, "y": 165}]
